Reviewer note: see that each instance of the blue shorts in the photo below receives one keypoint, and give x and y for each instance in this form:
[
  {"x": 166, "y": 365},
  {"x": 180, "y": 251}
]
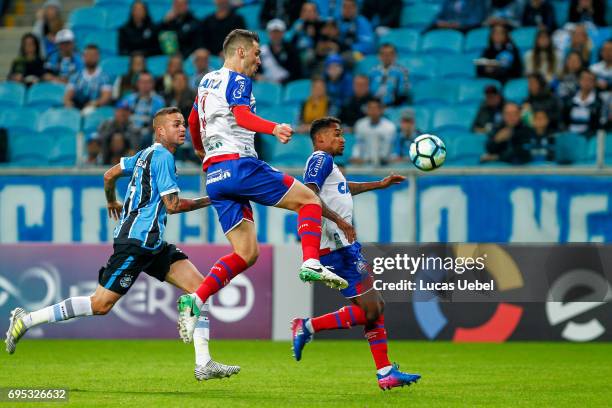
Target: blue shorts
[
  {"x": 232, "y": 184},
  {"x": 348, "y": 263}
]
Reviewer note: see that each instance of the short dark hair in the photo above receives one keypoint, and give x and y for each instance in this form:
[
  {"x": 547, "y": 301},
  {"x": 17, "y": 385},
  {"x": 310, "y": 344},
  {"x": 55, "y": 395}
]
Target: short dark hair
[
  {"x": 238, "y": 37},
  {"x": 377, "y": 100},
  {"x": 387, "y": 45},
  {"x": 92, "y": 47},
  {"x": 164, "y": 112},
  {"x": 320, "y": 124}
]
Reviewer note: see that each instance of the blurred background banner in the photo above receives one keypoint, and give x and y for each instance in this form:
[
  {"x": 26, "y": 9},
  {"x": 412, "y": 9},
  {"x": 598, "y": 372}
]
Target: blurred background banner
[{"x": 37, "y": 275}]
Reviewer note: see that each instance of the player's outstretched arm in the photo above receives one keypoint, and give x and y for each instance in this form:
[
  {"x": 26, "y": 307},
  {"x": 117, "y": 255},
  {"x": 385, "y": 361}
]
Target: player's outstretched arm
[
  {"x": 348, "y": 229},
  {"x": 110, "y": 179},
  {"x": 248, "y": 120},
  {"x": 358, "y": 188},
  {"x": 174, "y": 204}
]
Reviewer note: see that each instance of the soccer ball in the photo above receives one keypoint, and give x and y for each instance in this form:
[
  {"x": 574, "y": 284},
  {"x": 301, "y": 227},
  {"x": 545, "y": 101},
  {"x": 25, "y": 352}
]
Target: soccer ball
[{"x": 427, "y": 152}]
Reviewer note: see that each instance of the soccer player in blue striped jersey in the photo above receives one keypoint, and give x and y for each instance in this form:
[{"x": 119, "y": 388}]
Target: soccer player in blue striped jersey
[{"x": 138, "y": 243}]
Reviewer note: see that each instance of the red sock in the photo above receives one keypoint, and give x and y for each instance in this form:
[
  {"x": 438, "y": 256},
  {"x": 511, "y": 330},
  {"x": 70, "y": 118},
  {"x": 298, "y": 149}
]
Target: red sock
[
  {"x": 309, "y": 230},
  {"x": 222, "y": 272},
  {"x": 377, "y": 337},
  {"x": 344, "y": 318}
]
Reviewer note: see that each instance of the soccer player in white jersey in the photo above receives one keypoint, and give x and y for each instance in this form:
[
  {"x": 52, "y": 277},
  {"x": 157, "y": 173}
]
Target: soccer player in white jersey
[
  {"x": 340, "y": 251},
  {"x": 235, "y": 176}
]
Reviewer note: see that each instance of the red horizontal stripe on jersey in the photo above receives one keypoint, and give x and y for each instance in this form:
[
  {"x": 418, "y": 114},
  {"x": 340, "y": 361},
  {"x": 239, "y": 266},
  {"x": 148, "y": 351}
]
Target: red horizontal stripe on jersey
[{"x": 219, "y": 159}]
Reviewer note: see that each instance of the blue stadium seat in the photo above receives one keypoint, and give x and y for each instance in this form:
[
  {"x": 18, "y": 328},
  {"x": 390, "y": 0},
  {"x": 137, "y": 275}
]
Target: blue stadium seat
[
  {"x": 116, "y": 14},
  {"x": 452, "y": 119},
  {"x": 20, "y": 119},
  {"x": 87, "y": 18},
  {"x": 204, "y": 10},
  {"x": 515, "y": 90},
  {"x": 442, "y": 42},
  {"x": 60, "y": 120},
  {"x": 349, "y": 143},
  {"x": 524, "y": 37},
  {"x": 250, "y": 14},
  {"x": 465, "y": 150},
  {"x": 115, "y": 66},
  {"x": 421, "y": 67},
  {"x": 107, "y": 41},
  {"x": 422, "y": 118},
  {"x": 476, "y": 39},
  {"x": 472, "y": 91},
  {"x": 394, "y": 114},
  {"x": 215, "y": 62},
  {"x": 435, "y": 92},
  {"x": 293, "y": 154},
  {"x": 267, "y": 93},
  {"x": 63, "y": 149},
  {"x": 158, "y": 11},
  {"x": 46, "y": 95},
  {"x": 281, "y": 113},
  {"x": 29, "y": 149},
  {"x": 157, "y": 64},
  {"x": 113, "y": 3},
  {"x": 365, "y": 65},
  {"x": 419, "y": 16},
  {"x": 404, "y": 39},
  {"x": 93, "y": 120},
  {"x": 12, "y": 94},
  {"x": 456, "y": 66},
  {"x": 572, "y": 148},
  {"x": 264, "y": 38},
  {"x": 297, "y": 91},
  {"x": 561, "y": 8}
]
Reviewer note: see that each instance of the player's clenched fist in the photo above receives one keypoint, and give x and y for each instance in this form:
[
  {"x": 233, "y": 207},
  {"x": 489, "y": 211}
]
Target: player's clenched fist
[{"x": 283, "y": 132}]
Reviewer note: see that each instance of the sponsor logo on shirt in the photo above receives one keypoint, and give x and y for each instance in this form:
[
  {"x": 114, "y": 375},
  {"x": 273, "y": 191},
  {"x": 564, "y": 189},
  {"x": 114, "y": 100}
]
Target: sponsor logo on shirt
[{"x": 218, "y": 175}]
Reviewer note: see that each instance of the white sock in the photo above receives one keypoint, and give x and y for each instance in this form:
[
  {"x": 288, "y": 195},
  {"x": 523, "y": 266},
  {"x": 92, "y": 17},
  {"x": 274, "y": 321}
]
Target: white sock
[
  {"x": 308, "y": 325},
  {"x": 384, "y": 370},
  {"x": 201, "y": 335},
  {"x": 64, "y": 310}
]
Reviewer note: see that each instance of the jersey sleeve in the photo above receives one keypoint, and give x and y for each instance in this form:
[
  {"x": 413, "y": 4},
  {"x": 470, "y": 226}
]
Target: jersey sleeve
[
  {"x": 318, "y": 168},
  {"x": 165, "y": 174},
  {"x": 238, "y": 91},
  {"x": 128, "y": 163}
]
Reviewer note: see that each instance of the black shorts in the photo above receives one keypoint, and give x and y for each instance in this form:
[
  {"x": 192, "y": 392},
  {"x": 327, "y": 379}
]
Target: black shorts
[{"x": 128, "y": 260}]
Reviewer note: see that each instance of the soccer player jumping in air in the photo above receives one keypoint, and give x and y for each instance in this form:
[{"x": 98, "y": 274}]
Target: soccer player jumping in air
[
  {"x": 341, "y": 252},
  {"x": 235, "y": 176},
  {"x": 138, "y": 242}
]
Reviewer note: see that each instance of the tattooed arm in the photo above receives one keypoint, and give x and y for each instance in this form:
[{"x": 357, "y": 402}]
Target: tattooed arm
[
  {"x": 175, "y": 205},
  {"x": 110, "y": 179}
]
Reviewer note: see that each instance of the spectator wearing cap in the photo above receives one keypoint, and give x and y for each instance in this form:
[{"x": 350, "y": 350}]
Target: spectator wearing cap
[
  {"x": 489, "y": 114},
  {"x": 406, "y": 135},
  {"x": 139, "y": 34},
  {"x": 280, "y": 61},
  {"x": 462, "y": 15},
  {"x": 374, "y": 136},
  {"x": 48, "y": 23},
  {"x": 200, "y": 67},
  {"x": 539, "y": 13},
  {"x": 121, "y": 124},
  {"x": 219, "y": 24},
  {"x": 355, "y": 108},
  {"x": 389, "y": 80},
  {"x": 143, "y": 104},
  {"x": 510, "y": 141},
  {"x": 179, "y": 30},
  {"x": 583, "y": 111},
  {"x": 65, "y": 61},
  {"x": 355, "y": 30},
  {"x": 28, "y": 66},
  {"x": 338, "y": 81},
  {"x": 90, "y": 87}
]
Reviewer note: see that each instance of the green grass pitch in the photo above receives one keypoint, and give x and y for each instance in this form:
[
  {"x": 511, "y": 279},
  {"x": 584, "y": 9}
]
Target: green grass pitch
[{"x": 144, "y": 373}]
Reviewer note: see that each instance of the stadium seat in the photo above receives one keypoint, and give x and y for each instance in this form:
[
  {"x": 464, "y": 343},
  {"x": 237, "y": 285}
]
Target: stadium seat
[
  {"x": 281, "y": 113},
  {"x": 264, "y": 38},
  {"x": 452, "y": 119},
  {"x": 158, "y": 11},
  {"x": 250, "y": 13},
  {"x": 107, "y": 41},
  {"x": 472, "y": 91},
  {"x": 46, "y": 95},
  {"x": 60, "y": 120},
  {"x": 476, "y": 40},
  {"x": 456, "y": 66},
  {"x": 419, "y": 16},
  {"x": 113, "y": 3},
  {"x": 63, "y": 149},
  {"x": 365, "y": 65},
  {"x": 203, "y": 10},
  {"x": 561, "y": 8},
  {"x": 465, "y": 150},
  {"x": 215, "y": 62},
  {"x": 29, "y": 149},
  {"x": 293, "y": 154},
  {"x": 93, "y": 120},
  {"x": 157, "y": 64},
  {"x": 267, "y": 93},
  {"x": 439, "y": 42},
  {"x": 20, "y": 119},
  {"x": 515, "y": 90},
  {"x": 394, "y": 114},
  {"x": 115, "y": 66},
  {"x": 12, "y": 94},
  {"x": 297, "y": 91},
  {"x": 87, "y": 18},
  {"x": 435, "y": 92},
  {"x": 422, "y": 118},
  {"x": 349, "y": 143},
  {"x": 524, "y": 37},
  {"x": 404, "y": 39},
  {"x": 572, "y": 148},
  {"x": 421, "y": 67},
  {"x": 116, "y": 15}
]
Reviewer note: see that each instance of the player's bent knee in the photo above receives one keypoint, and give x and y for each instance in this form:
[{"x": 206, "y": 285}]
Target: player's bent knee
[
  {"x": 250, "y": 255},
  {"x": 100, "y": 306}
]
